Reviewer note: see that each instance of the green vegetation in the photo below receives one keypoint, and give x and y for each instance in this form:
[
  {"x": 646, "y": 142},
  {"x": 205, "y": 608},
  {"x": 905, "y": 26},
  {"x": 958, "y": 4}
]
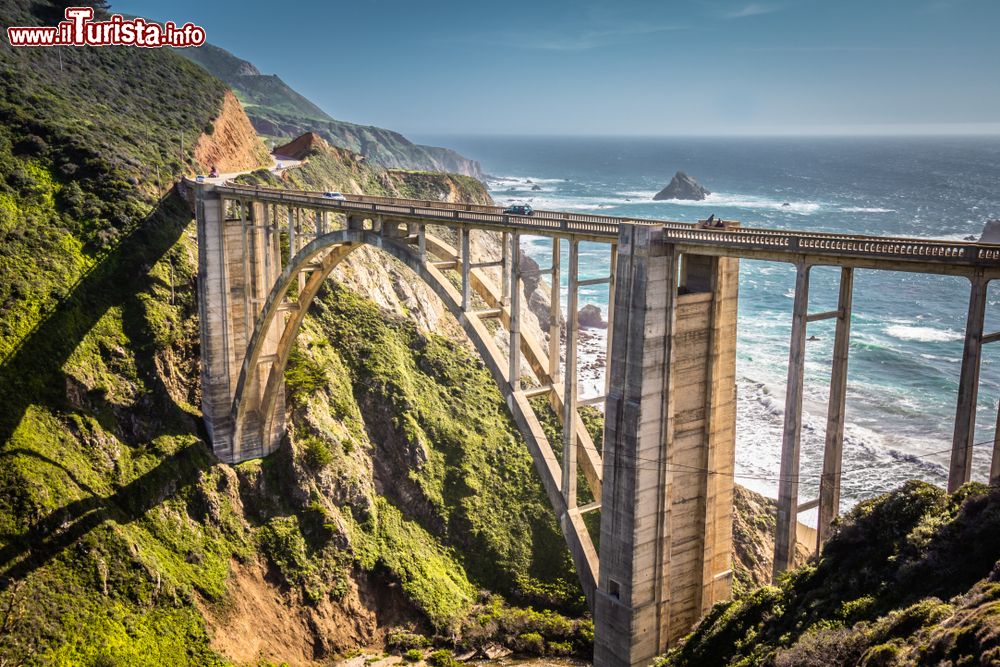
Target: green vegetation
[
  {"x": 68, "y": 184},
  {"x": 430, "y": 409},
  {"x": 526, "y": 631},
  {"x": 910, "y": 577}
]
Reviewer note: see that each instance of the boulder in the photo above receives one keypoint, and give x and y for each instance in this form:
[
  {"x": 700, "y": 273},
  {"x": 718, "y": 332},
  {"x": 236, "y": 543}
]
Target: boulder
[
  {"x": 682, "y": 186},
  {"x": 589, "y": 317},
  {"x": 991, "y": 232},
  {"x": 535, "y": 188}
]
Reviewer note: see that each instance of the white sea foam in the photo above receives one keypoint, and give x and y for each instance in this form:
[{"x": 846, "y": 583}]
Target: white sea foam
[
  {"x": 922, "y": 334},
  {"x": 863, "y": 209},
  {"x": 524, "y": 180},
  {"x": 750, "y": 202}
]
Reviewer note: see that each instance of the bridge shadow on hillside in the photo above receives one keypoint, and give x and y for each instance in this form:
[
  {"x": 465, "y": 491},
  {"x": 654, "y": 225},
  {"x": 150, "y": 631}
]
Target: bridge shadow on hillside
[
  {"x": 44, "y": 540},
  {"x": 33, "y": 372},
  {"x": 33, "y": 375}
]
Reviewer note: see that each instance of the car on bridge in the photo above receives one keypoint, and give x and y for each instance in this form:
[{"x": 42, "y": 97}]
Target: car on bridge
[
  {"x": 334, "y": 195},
  {"x": 519, "y": 209},
  {"x": 200, "y": 178}
]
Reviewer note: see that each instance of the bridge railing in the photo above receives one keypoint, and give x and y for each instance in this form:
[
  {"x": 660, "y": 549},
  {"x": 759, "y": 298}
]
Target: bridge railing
[{"x": 606, "y": 227}]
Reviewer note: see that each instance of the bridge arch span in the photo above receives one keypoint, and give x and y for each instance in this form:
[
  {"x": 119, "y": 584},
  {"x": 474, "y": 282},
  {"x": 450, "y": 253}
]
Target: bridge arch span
[{"x": 256, "y": 412}]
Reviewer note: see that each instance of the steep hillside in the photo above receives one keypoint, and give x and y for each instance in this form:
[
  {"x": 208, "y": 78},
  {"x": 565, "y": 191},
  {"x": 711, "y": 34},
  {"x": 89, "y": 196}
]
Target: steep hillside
[
  {"x": 123, "y": 541},
  {"x": 229, "y": 142},
  {"x": 278, "y": 111},
  {"x": 911, "y": 577}
]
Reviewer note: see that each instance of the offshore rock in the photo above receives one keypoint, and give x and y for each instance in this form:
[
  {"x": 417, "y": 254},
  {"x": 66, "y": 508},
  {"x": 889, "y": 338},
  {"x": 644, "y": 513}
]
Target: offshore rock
[
  {"x": 991, "y": 232},
  {"x": 682, "y": 186}
]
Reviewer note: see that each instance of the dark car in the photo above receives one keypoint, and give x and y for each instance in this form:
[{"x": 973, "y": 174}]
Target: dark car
[{"x": 519, "y": 209}]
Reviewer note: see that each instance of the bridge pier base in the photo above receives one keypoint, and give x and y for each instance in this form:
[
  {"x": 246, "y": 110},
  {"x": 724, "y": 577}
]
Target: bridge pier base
[{"x": 666, "y": 514}]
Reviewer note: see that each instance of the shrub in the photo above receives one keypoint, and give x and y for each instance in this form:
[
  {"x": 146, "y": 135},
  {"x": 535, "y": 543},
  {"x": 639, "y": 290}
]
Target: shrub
[
  {"x": 442, "y": 658},
  {"x": 317, "y": 453},
  {"x": 403, "y": 640},
  {"x": 530, "y": 643},
  {"x": 413, "y": 655}
]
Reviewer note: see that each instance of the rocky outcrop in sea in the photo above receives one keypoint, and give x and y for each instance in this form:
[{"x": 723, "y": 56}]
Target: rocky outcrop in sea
[{"x": 682, "y": 186}]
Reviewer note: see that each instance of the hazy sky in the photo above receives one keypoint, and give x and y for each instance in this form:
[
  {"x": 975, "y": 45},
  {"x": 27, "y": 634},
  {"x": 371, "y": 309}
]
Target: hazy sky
[{"x": 624, "y": 67}]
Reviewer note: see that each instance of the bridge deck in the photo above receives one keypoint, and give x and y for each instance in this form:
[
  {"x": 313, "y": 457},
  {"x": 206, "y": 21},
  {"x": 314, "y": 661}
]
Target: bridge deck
[{"x": 876, "y": 252}]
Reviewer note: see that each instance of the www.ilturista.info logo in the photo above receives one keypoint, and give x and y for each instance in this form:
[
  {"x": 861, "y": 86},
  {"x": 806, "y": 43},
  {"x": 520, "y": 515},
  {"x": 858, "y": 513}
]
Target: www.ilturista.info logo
[{"x": 80, "y": 30}]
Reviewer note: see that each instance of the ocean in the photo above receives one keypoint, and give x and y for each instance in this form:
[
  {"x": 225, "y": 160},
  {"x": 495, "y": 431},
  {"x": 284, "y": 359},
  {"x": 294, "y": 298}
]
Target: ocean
[{"x": 907, "y": 329}]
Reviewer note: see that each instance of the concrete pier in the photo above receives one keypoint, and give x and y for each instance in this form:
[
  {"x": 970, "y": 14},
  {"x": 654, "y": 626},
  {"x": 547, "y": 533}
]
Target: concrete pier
[{"x": 666, "y": 528}]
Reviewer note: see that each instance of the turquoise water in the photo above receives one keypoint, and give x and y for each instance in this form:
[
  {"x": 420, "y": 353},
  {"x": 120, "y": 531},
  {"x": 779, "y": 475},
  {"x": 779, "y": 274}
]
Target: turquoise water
[{"x": 907, "y": 329}]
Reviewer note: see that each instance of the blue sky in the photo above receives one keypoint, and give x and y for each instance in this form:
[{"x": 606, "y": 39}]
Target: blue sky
[{"x": 625, "y": 67}]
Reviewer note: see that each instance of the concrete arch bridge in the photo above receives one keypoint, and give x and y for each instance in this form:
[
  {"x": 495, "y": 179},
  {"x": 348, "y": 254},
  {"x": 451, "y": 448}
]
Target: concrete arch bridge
[{"x": 664, "y": 480}]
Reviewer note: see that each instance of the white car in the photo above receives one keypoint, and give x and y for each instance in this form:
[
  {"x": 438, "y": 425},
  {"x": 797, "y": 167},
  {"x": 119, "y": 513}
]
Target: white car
[
  {"x": 200, "y": 178},
  {"x": 335, "y": 195}
]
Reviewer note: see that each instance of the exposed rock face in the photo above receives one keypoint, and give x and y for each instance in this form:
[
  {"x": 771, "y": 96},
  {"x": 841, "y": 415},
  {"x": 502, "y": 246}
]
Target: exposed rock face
[
  {"x": 991, "y": 232},
  {"x": 682, "y": 186},
  {"x": 233, "y": 144},
  {"x": 589, "y": 317},
  {"x": 301, "y": 146}
]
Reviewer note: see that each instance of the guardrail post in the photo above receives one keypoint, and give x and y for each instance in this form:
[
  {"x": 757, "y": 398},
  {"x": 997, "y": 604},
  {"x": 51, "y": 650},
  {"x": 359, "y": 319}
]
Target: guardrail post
[
  {"x": 968, "y": 387},
  {"x": 788, "y": 478},
  {"x": 829, "y": 485}
]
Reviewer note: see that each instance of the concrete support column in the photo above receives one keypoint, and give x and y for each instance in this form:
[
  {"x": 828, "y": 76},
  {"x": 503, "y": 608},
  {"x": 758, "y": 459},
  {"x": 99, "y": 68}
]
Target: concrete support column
[
  {"x": 265, "y": 223},
  {"x": 627, "y": 629},
  {"x": 514, "y": 368},
  {"x": 422, "y": 242},
  {"x": 555, "y": 311},
  {"x": 611, "y": 318},
  {"x": 833, "y": 451},
  {"x": 505, "y": 269},
  {"x": 466, "y": 270},
  {"x": 213, "y": 307},
  {"x": 276, "y": 240},
  {"x": 665, "y": 540},
  {"x": 570, "y": 445},
  {"x": 995, "y": 463},
  {"x": 788, "y": 483},
  {"x": 249, "y": 311},
  {"x": 291, "y": 236},
  {"x": 968, "y": 387}
]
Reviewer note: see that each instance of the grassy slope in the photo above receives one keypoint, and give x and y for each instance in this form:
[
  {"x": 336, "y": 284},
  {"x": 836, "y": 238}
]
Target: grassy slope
[
  {"x": 911, "y": 577},
  {"x": 100, "y": 461}
]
